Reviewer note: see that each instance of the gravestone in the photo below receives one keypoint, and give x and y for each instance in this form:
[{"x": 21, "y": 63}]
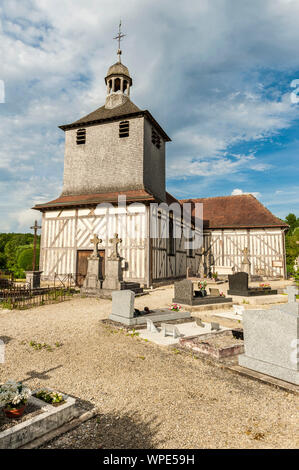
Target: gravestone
[
  {"x": 238, "y": 285},
  {"x": 214, "y": 292},
  {"x": 238, "y": 282},
  {"x": 92, "y": 283},
  {"x": 122, "y": 306},
  {"x": 215, "y": 326},
  {"x": 245, "y": 265},
  {"x": 271, "y": 339},
  {"x": 183, "y": 290},
  {"x": 113, "y": 271},
  {"x": 33, "y": 279},
  {"x": 183, "y": 293}
]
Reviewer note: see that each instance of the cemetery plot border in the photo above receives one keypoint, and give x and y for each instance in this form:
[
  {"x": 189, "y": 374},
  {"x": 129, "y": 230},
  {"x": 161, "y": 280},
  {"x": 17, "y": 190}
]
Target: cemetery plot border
[
  {"x": 51, "y": 418},
  {"x": 217, "y": 345}
]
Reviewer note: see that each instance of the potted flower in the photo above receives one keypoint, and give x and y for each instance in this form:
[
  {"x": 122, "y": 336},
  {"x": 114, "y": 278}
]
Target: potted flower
[
  {"x": 222, "y": 294},
  {"x": 215, "y": 276},
  {"x": 202, "y": 288},
  {"x": 175, "y": 307},
  {"x": 50, "y": 396},
  {"x": 13, "y": 398}
]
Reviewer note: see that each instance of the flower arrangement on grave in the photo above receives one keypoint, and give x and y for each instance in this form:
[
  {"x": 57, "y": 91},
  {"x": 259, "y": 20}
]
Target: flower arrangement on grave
[
  {"x": 265, "y": 285},
  {"x": 202, "y": 285},
  {"x": 215, "y": 276},
  {"x": 175, "y": 307},
  {"x": 222, "y": 294},
  {"x": 50, "y": 397},
  {"x": 13, "y": 398}
]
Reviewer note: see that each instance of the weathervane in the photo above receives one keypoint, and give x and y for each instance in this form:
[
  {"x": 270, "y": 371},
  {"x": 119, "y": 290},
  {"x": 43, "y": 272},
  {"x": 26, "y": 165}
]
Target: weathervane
[{"x": 119, "y": 38}]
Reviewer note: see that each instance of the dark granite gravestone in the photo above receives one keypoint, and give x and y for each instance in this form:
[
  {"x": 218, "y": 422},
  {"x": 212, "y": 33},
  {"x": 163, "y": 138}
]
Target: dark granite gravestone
[
  {"x": 238, "y": 285},
  {"x": 184, "y": 294},
  {"x": 183, "y": 290},
  {"x": 238, "y": 282}
]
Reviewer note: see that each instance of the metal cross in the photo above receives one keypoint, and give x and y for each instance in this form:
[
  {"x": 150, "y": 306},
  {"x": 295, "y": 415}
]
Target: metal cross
[
  {"x": 119, "y": 37},
  {"x": 115, "y": 241},
  {"x": 35, "y": 227},
  {"x": 95, "y": 241}
]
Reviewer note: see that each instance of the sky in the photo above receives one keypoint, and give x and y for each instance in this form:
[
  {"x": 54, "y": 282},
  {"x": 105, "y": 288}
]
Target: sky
[{"x": 218, "y": 75}]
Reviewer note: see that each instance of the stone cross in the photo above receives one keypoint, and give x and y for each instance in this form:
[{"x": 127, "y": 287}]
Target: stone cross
[
  {"x": 95, "y": 241},
  {"x": 115, "y": 241},
  {"x": 292, "y": 292}
]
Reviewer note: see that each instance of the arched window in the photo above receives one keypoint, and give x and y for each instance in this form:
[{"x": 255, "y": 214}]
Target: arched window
[
  {"x": 117, "y": 84},
  {"x": 125, "y": 87},
  {"x": 81, "y": 136},
  {"x": 124, "y": 129}
]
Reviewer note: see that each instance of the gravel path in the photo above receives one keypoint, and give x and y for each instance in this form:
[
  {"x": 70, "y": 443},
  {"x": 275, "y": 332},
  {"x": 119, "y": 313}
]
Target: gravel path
[{"x": 147, "y": 396}]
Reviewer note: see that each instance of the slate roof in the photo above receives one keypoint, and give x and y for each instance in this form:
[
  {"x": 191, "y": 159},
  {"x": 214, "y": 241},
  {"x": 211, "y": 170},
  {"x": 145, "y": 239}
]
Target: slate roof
[
  {"x": 242, "y": 211},
  {"x": 102, "y": 114}
]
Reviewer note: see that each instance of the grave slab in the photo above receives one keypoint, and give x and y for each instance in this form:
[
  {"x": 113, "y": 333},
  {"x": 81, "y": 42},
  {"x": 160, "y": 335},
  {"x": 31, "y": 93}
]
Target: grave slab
[{"x": 271, "y": 341}]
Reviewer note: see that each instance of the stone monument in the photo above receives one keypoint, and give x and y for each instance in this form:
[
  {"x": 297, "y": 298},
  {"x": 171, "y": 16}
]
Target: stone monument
[
  {"x": 245, "y": 265},
  {"x": 91, "y": 282},
  {"x": 113, "y": 271},
  {"x": 123, "y": 307},
  {"x": 271, "y": 339}
]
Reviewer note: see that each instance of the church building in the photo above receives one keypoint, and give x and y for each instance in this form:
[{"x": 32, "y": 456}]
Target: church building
[{"x": 118, "y": 152}]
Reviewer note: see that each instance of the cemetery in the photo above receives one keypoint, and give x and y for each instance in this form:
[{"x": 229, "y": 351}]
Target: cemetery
[{"x": 154, "y": 340}]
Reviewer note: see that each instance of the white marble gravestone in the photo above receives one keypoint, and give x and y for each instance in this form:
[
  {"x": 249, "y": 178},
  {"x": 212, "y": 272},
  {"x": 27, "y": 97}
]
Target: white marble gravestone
[{"x": 271, "y": 339}]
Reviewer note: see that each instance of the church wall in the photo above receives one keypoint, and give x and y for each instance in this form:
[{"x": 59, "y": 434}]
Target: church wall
[
  {"x": 154, "y": 163},
  {"x": 65, "y": 232},
  {"x": 105, "y": 162}
]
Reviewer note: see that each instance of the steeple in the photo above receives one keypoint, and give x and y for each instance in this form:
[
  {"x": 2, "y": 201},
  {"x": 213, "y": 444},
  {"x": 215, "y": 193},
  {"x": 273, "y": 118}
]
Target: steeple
[{"x": 118, "y": 80}]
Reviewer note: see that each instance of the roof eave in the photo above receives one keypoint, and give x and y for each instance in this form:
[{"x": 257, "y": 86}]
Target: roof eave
[{"x": 76, "y": 125}]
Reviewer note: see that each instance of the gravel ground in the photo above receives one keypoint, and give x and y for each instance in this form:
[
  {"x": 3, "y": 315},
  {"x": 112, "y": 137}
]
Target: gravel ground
[{"x": 147, "y": 396}]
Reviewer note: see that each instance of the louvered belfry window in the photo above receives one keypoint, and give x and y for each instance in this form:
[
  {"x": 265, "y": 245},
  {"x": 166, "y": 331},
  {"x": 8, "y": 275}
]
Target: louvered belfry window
[
  {"x": 156, "y": 139},
  {"x": 124, "y": 129},
  {"x": 81, "y": 136}
]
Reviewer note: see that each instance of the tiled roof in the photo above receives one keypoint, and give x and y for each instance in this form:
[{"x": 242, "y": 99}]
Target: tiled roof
[
  {"x": 138, "y": 195},
  {"x": 243, "y": 211}
]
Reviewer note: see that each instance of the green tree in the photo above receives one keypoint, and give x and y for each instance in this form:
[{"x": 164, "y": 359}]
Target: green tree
[
  {"x": 292, "y": 221},
  {"x": 292, "y": 242}
]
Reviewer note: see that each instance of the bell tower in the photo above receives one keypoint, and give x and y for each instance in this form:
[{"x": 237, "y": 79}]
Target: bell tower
[{"x": 118, "y": 80}]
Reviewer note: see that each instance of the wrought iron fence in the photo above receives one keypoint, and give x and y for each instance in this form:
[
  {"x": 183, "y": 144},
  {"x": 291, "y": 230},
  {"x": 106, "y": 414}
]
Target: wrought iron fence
[
  {"x": 6, "y": 279},
  {"x": 23, "y": 297},
  {"x": 68, "y": 280}
]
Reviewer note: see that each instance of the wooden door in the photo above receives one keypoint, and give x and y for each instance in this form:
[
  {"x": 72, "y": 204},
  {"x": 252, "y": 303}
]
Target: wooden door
[{"x": 82, "y": 263}]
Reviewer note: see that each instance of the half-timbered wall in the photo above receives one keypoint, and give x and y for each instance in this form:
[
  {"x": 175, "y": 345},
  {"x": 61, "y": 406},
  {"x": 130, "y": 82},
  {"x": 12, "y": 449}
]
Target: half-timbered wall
[
  {"x": 266, "y": 250},
  {"x": 168, "y": 266},
  {"x": 65, "y": 232}
]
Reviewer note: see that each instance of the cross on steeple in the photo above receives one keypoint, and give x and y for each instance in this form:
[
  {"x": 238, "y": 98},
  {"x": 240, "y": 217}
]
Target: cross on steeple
[
  {"x": 95, "y": 241},
  {"x": 35, "y": 227},
  {"x": 119, "y": 37}
]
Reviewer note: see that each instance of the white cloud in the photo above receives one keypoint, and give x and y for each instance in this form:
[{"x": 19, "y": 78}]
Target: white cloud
[{"x": 238, "y": 192}]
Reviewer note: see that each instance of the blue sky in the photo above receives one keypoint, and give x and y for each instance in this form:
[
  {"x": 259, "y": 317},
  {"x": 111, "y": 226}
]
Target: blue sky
[{"x": 216, "y": 75}]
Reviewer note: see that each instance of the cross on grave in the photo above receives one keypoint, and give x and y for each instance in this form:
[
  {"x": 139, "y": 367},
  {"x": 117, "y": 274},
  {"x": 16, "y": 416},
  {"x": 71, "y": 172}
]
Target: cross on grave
[
  {"x": 35, "y": 227},
  {"x": 115, "y": 242},
  {"x": 95, "y": 241}
]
